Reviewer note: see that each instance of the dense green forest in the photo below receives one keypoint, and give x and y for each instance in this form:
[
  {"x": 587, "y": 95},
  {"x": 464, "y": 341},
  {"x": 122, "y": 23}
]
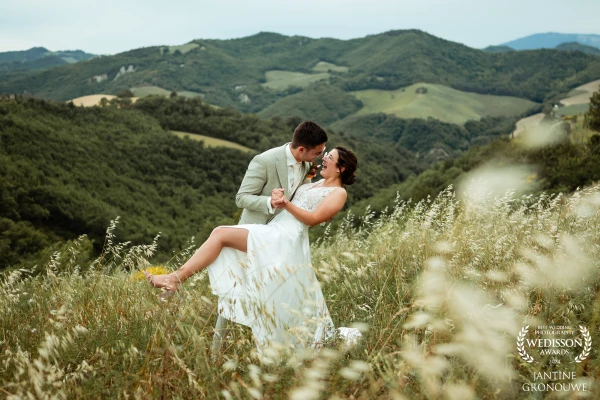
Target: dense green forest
[
  {"x": 69, "y": 171},
  {"x": 574, "y": 46},
  {"x": 561, "y": 167},
  {"x": 224, "y": 70},
  {"x": 431, "y": 137}
]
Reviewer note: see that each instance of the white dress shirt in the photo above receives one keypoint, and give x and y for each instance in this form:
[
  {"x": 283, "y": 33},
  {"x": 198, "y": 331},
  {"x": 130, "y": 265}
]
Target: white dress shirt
[{"x": 294, "y": 175}]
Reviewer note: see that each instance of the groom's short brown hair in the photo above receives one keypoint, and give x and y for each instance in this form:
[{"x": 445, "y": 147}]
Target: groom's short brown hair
[{"x": 308, "y": 134}]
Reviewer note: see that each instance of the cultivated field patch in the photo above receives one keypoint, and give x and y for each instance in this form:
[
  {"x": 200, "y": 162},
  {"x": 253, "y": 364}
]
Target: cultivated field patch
[
  {"x": 424, "y": 100},
  {"x": 280, "y": 80}
]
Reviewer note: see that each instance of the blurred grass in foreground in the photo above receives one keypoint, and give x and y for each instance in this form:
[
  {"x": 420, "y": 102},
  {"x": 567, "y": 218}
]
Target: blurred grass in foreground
[{"x": 440, "y": 288}]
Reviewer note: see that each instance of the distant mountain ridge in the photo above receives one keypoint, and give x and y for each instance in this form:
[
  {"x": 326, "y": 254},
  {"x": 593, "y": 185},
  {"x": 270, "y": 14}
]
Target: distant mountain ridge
[
  {"x": 551, "y": 40},
  {"x": 36, "y": 53},
  {"x": 39, "y": 58}
]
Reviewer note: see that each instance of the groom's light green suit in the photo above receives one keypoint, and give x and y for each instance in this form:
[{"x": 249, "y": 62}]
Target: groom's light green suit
[{"x": 267, "y": 171}]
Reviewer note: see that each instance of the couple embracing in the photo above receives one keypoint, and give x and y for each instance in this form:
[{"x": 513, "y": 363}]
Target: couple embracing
[{"x": 261, "y": 269}]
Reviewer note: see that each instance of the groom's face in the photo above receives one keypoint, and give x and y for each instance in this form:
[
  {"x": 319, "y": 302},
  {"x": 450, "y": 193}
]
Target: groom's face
[{"x": 310, "y": 155}]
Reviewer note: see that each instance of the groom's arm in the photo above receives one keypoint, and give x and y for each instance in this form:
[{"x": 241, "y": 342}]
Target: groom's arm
[{"x": 248, "y": 196}]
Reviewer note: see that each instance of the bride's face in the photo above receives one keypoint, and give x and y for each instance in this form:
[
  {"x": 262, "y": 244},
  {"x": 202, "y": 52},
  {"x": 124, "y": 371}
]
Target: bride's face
[{"x": 329, "y": 166}]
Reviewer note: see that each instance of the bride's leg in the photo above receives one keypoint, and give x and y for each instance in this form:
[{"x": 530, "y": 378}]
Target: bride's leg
[
  {"x": 236, "y": 238},
  {"x": 207, "y": 253}
]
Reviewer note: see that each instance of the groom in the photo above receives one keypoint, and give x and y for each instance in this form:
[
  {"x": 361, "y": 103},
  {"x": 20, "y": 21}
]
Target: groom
[{"x": 282, "y": 168}]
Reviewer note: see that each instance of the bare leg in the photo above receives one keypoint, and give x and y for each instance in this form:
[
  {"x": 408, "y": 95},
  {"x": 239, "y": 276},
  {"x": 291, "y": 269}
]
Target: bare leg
[{"x": 207, "y": 253}]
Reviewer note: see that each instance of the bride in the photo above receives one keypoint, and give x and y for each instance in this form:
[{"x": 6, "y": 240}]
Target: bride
[{"x": 262, "y": 274}]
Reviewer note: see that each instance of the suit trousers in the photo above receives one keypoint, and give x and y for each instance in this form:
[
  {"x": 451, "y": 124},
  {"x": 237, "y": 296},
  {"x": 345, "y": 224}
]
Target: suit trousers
[{"x": 222, "y": 329}]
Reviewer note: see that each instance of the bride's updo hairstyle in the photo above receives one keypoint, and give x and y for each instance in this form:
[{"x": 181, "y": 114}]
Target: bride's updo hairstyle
[{"x": 348, "y": 160}]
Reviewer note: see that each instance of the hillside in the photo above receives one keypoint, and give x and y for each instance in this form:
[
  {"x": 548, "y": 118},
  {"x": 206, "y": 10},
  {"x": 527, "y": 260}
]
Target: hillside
[
  {"x": 577, "y": 101},
  {"x": 555, "y": 164},
  {"x": 69, "y": 171},
  {"x": 238, "y": 72},
  {"x": 322, "y": 103},
  {"x": 498, "y": 49},
  {"x": 574, "y": 46},
  {"x": 430, "y": 138},
  {"x": 213, "y": 142}
]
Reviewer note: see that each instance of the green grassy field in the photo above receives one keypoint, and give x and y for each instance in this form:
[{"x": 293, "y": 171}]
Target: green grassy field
[
  {"x": 280, "y": 80},
  {"x": 149, "y": 90},
  {"x": 573, "y": 110},
  {"x": 323, "y": 66},
  {"x": 187, "y": 93},
  {"x": 144, "y": 91},
  {"x": 184, "y": 48},
  {"x": 581, "y": 94},
  {"x": 213, "y": 142},
  {"x": 441, "y": 102}
]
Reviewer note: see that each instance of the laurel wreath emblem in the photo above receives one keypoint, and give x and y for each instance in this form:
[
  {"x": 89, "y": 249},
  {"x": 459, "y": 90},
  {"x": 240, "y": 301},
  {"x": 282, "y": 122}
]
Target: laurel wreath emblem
[
  {"x": 587, "y": 345},
  {"x": 521, "y": 346}
]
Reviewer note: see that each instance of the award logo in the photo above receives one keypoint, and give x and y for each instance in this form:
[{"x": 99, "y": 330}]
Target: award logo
[{"x": 563, "y": 347}]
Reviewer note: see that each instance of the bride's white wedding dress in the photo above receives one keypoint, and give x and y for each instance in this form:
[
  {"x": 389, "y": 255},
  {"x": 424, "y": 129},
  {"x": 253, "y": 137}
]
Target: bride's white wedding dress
[{"x": 272, "y": 288}]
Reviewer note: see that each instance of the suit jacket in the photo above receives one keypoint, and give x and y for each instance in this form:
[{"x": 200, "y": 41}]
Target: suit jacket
[{"x": 266, "y": 172}]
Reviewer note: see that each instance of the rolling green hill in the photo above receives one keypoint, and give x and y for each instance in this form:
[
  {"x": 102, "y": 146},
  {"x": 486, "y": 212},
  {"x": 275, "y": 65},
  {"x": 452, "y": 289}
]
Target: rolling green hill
[
  {"x": 322, "y": 103},
  {"x": 232, "y": 73},
  {"x": 498, "y": 49},
  {"x": 424, "y": 100},
  {"x": 574, "y": 46}
]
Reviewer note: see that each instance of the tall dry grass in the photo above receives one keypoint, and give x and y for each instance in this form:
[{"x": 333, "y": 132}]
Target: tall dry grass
[{"x": 440, "y": 289}]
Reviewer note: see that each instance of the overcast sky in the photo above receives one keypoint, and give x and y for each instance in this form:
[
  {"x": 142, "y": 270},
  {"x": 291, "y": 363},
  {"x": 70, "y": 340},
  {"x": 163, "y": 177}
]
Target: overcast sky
[{"x": 111, "y": 26}]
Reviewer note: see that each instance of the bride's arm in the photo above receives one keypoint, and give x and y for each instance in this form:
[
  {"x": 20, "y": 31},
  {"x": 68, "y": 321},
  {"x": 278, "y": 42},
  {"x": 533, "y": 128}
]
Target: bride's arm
[{"x": 324, "y": 212}]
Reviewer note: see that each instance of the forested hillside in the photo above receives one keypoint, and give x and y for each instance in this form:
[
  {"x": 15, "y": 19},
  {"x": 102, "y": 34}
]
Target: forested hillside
[
  {"x": 69, "y": 171},
  {"x": 564, "y": 166}
]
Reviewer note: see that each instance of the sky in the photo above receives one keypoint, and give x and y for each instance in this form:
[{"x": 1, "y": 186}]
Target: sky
[{"x": 111, "y": 26}]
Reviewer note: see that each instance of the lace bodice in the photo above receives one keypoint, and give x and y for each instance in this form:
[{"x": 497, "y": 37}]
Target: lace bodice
[{"x": 307, "y": 197}]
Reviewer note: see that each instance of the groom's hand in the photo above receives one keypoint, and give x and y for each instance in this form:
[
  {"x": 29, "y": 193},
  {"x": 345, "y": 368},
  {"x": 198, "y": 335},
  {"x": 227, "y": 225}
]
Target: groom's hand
[{"x": 277, "y": 198}]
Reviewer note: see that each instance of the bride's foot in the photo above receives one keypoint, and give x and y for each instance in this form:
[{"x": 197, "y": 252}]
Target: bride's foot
[{"x": 169, "y": 282}]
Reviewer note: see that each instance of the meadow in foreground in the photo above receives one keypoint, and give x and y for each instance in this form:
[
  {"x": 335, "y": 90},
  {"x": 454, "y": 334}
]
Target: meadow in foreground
[{"x": 441, "y": 289}]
